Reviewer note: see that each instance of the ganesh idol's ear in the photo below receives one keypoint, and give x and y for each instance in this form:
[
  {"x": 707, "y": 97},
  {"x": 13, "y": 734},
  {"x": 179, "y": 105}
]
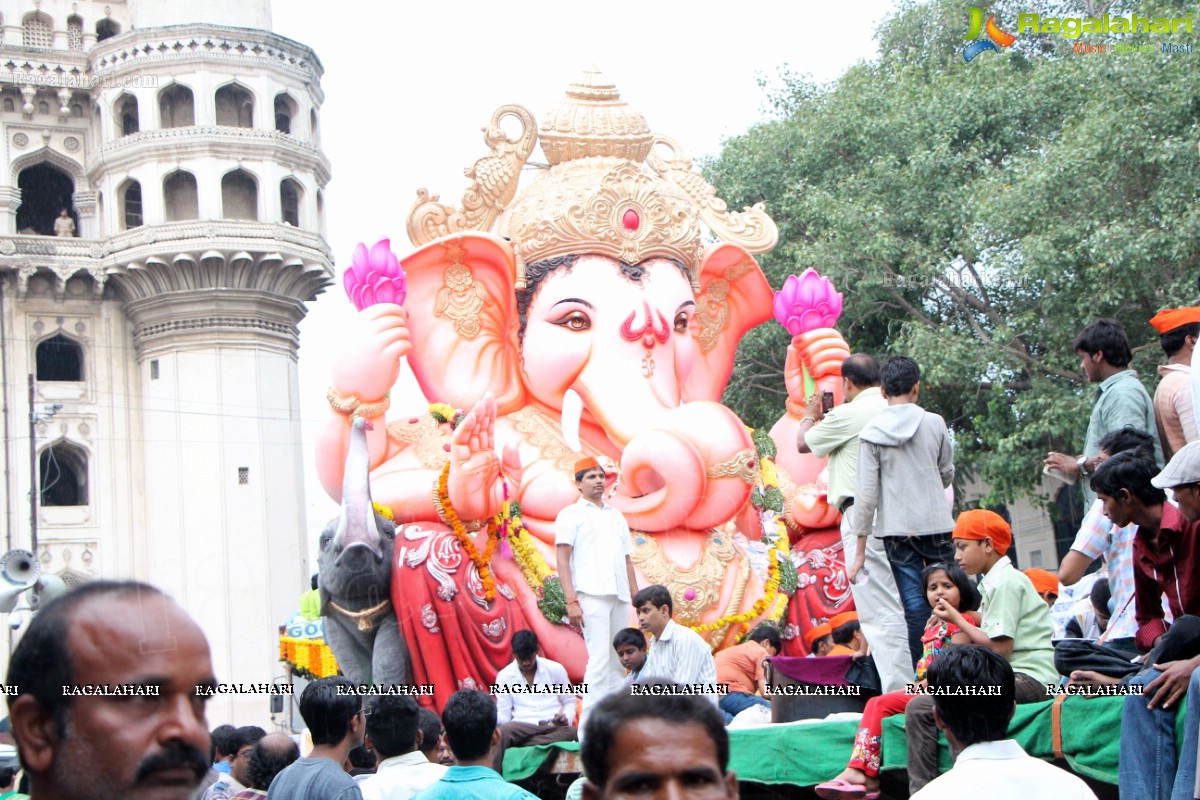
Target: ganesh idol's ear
[
  {"x": 734, "y": 297},
  {"x": 462, "y": 319}
]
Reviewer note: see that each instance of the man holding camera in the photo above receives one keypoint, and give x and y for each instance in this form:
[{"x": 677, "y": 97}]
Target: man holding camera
[{"x": 834, "y": 433}]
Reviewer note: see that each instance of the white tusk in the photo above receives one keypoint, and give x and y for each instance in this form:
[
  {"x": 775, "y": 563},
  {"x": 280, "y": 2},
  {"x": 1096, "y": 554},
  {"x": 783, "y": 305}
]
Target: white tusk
[{"x": 572, "y": 407}]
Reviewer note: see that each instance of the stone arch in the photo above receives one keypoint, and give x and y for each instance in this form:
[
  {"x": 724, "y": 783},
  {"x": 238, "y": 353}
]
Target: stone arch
[
  {"x": 129, "y": 204},
  {"x": 239, "y": 195},
  {"x": 59, "y": 358},
  {"x": 37, "y": 30},
  {"x": 291, "y": 200},
  {"x": 106, "y": 29},
  {"x": 286, "y": 112},
  {"x": 234, "y": 106},
  {"x": 125, "y": 114},
  {"x": 75, "y": 32},
  {"x": 46, "y": 188},
  {"x": 176, "y": 106},
  {"x": 181, "y": 196},
  {"x": 63, "y": 474}
]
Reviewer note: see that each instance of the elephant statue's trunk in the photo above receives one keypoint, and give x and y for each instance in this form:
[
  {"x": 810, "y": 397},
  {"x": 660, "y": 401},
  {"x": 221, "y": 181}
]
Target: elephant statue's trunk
[
  {"x": 694, "y": 469},
  {"x": 357, "y": 528}
]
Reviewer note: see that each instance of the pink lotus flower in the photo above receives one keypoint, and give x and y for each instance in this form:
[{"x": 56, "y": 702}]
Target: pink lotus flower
[
  {"x": 374, "y": 277},
  {"x": 807, "y": 302}
]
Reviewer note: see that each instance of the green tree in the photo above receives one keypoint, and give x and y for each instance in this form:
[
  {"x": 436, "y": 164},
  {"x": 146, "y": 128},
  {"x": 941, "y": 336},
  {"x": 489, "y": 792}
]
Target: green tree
[{"x": 978, "y": 215}]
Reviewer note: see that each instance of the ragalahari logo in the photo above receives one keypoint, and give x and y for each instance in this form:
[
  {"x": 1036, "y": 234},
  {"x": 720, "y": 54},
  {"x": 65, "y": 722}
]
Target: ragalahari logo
[{"x": 994, "y": 33}]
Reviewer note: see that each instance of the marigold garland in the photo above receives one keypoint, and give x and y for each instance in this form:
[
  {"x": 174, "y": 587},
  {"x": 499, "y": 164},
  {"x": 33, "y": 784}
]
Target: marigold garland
[
  {"x": 481, "y": 562},
  {"x": 538, "y": 574},
  {"x": 308, "y": 657}
]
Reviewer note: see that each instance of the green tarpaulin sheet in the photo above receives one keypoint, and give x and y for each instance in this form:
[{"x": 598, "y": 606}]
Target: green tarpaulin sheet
[{"x": 805, "y": 754}]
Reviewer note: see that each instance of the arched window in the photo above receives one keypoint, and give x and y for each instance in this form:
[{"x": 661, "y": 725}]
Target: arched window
[
  {"x": 45, "y": 191},
  {"x": 239, "y": 195},
  {"x": 320, "y": 212},
  {"x": 100, "y": 211},
  {"x": 130, "y": 198},
  {"x": 285, "y": 112},
  {"x": 76, "y": 110},
  {"x": 106, "y": 29},
  {"x": 127, "y": 114},
  {"x": 75, "y": 32},
  {"x": 43, "y": 107},
  {"x": 9, "y": 105},
  {"x": 235, "y": 107},
  {"x": 181, "y": 197},
  {"x": 312, "y": 127},
  {"x": 291, "y": 194},
  {"x": 59, "y": 359},
  {"x": 37, "y": 31},
  {"x": 63, "y": 475},
  {"x": 176, "y": 107}
]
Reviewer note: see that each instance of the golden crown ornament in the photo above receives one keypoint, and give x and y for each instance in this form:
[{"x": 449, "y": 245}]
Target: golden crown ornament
[{"x": 611, "y": 188}]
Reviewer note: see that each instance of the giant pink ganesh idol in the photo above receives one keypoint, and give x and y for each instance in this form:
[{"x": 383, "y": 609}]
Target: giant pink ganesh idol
[{"x": 595, "y": 312}]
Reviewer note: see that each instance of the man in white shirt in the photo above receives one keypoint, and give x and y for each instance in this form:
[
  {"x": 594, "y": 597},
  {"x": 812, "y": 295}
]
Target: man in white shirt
[
  {"x": 677, "y": 654},
  {"x": 988, "y": 766},
  {"x": 393, "y": 732},
  {"x": 535, "y": 703},
  {"x": 593, "y": 533}
]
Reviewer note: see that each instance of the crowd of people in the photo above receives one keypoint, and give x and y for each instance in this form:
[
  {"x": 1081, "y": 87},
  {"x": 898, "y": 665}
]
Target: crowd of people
[{"x": 940, "y": 608}]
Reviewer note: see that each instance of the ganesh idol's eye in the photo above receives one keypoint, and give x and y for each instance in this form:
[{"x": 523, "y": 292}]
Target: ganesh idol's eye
[
  {"x": 576, "y": 320},
  {"x": 682, "y": 320}
]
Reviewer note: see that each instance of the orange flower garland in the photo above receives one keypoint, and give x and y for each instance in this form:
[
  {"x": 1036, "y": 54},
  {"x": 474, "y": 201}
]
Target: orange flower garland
[{"x": 481, "y": 562}]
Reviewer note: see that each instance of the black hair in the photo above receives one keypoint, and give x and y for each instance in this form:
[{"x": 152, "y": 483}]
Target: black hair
[
  {"x": 269, "y": 758},
  {"x": 862, "y": 370},
  {"x": 223, "y": 737},
  {"x": 361, "y": 758},
  {"x": 656, "y": 595},
  {"x": 1128, "y": 438},
  {"x": 844, "y": 633},
  {"x": 392, "y": 724},
  {"x": 1105, "y": 336},
  {"x": 618, "y": 709},
  {"x": 767, "y": 632},
  {"x": 313, "y": 581},
  {"x": 328, "y": 712},
  {"x": 247, "y": 734},
  {"x": 899, "y": 374},
  {"x": 430, "y": 725},
  {"x": 973, "y": 718},
  {"x": 1128, "y": 471},
  {"x": 470, "y": 719},
  {"x": 579, "y": 475},
  {"x": 41, "y": 663},
  {"x": 6, "y": 776},
  {"x": 968, "y": 594},
  {"x": 631, "y": 636},
  {"x": 1173, "y": 340},
  {"x": 1100, "y": 595},
  {"x": 524, "y": 644}
]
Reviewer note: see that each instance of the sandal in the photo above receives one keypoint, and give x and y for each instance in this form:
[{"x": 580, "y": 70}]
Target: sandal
[{"x": 838, "y": 789}]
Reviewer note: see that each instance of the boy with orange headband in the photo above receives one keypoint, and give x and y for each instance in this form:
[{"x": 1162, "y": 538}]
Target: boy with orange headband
[{"x": 1016, "y": 625}]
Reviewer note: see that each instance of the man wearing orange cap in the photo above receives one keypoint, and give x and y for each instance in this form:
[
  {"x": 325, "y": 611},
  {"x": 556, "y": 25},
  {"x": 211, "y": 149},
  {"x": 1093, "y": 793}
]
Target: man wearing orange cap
[
  {"x": 1178, "y": 330},
  {"x": 1016, "y": 625},
  {"x": 847, "y": 635},
  {"x": 819, "y": 639},
  {"x": 1045, "y": 583},
  {"x": 593, "y": 545}
]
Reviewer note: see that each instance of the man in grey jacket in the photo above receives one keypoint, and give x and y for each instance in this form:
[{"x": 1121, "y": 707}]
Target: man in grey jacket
[{"x": 905, "y": 463}]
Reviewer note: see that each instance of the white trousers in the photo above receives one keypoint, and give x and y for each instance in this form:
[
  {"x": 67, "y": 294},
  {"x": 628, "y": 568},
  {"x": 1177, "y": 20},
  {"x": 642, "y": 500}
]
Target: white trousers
[
  {"x": 879, "y": 611},
  {"x": 603, "y": 617}
]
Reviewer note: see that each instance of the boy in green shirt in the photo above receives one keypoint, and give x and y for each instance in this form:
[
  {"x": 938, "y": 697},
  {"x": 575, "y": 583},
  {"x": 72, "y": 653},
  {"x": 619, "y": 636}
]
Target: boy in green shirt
[{"x": 1016, "y": 625}]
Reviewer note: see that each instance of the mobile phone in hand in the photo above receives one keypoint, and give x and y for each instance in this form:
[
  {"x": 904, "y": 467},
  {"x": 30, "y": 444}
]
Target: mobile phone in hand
[{"x": 827, "y": 402}]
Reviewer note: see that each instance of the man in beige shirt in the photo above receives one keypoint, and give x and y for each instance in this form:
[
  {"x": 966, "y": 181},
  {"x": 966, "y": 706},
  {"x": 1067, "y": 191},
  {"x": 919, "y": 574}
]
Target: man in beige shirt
[
  {"x": 836, "y": 435},
  {"x": 1178, "y": 329}
]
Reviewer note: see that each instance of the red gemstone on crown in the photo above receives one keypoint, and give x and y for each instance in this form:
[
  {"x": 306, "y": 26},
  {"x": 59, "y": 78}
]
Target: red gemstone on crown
[{"x": 631, "y": 220}]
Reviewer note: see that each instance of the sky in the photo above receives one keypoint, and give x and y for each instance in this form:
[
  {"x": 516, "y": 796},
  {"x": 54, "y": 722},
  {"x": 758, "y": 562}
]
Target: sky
[{"x": 408, "y": 86}]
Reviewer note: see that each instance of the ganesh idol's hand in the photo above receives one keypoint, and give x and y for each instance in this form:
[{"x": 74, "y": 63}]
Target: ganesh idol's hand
[
  {"x": 822, "y": 351},
  {"x": 373, "y": 345},
  {"x": 474, "y": 484}
]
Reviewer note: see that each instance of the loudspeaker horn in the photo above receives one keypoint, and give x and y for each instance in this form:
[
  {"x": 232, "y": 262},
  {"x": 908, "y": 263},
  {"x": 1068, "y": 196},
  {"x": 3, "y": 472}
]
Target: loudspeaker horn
[{"x": 19, "y": 570}]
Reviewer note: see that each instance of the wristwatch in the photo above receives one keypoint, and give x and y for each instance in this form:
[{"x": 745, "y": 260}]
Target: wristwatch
[{"x": 1082, "y": 464}]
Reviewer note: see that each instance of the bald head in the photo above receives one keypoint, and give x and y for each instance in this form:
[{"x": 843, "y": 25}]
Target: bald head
[
  {"x": 861, "y": 371},
  {"x": 271, "y": 755}
]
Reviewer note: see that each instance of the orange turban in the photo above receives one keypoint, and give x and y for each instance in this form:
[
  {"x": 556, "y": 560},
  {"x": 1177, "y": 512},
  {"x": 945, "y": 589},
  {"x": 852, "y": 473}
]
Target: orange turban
[
  {"x": 1043, "y": 580},
  {"x": 818, "y": 632},
  {"x": 1171, "y": 318},
  {"x": 979, "y": 523},
  {"x": 584, "y": 464},
  {"x": 841, "y": 619}
]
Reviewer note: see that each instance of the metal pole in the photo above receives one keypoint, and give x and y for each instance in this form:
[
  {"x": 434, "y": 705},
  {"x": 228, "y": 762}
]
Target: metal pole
[{"x": 33, "y": 475}]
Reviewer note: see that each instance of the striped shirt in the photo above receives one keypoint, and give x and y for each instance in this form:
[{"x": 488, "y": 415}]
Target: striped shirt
[
  {"x": 680, "y": 656},
  {"x": 1099, "y": 537}
]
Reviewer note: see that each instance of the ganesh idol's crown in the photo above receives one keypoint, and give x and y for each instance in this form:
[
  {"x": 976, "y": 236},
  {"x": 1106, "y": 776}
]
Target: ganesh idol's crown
[{"x": 612, "y": 187}]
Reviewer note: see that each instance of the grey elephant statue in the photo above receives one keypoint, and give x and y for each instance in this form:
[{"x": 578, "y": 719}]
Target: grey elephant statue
[{"x": 355, "y": 576}]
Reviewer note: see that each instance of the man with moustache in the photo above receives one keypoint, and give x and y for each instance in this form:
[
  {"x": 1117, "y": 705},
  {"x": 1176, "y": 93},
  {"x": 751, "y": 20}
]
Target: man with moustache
[{"x": 110, "y": 681}]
